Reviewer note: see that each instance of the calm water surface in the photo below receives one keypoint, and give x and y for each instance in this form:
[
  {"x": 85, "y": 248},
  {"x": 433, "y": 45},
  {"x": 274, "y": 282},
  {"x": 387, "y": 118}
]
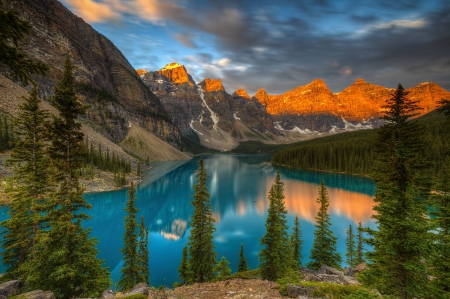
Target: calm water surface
[{"x": 238, "y": 186}]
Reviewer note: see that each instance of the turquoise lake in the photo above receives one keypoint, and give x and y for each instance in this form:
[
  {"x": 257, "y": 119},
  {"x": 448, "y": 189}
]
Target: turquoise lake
[{"x": 238, "y": 185}]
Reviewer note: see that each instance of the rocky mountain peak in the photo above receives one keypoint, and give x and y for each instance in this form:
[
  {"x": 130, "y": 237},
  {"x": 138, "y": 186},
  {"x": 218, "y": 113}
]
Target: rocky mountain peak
[
  {"x": 360, "y": 81},
  {"x": 176, "y": 73},
  {"x": 241, "y": 93},
  {"x": 211, "y": 85},
  {"x": 318, "y": 83},
  {"x": 141, "y": 72}
]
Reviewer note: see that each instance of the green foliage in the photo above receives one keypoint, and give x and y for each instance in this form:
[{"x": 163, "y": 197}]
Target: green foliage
[
  {"x": 135, "y": 296},
  {"x": 337, "y": 291},
  {"x": 184, "y": 270},
  {"x": 290, "y": 276},
  {"x": 403, "y": 240},
  {"x": 324, "y": 251},
  {"x": 351, "y": 251},
  {"x": 32, "y": 187},
  {"x": 359, "y": 253},
  {"x": 7, "y": 136},
  {"x": 12, "y": 31},
  {"x": 131, "y": 269},
  {"x": 296, "y": 244},
  {"x": 275, "y": 257},
  {"x": 222, "y": 269},
  {"x": 250, "y": 274},
  {"x": 444, "y": 106},
  {"x": 201, "y": 246},
  {"x": 242, "y": 266},
  {"x": 144, "y": 273}
]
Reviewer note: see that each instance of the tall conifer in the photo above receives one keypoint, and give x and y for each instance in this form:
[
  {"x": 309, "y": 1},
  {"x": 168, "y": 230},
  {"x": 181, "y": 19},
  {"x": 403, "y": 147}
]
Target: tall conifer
[
  {"x": 143, "y": 252},
  {"x": 131, "y": 267},
  {"x": 324, "y": 251},
  {"x": 275, "y": 256},
  {"x": 402, "y": 242},
  {"x": 359, "y": 254},
  {"x": 296, "y": 244},
  {"x": 184, "y": 269},
  {"x": 32, "y": 167},
  {"x": 242, "y": 266},
  {"x": 201, "y": 246},
  {"x": 222, "y": 268},
  {"x": 350, "y": 253},
  {"x": 64, "y": 258}
]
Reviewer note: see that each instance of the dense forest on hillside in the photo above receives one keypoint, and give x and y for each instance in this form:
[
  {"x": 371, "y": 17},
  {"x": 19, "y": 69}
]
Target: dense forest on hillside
[{"x": 353, "y": 152}]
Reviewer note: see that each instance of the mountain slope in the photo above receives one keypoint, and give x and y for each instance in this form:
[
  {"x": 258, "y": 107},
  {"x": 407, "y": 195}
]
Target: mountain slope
[{"x": 106, "y": 80}]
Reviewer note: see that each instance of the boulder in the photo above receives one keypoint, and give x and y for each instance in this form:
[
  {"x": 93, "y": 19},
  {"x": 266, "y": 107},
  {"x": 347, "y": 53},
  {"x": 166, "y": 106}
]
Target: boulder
[
  {"x": 349, "y": 272},
  {"x": 331, "y": 278},
  {"x": 361, "y": 267},
  {"x": 312, "y": 277},
  {"x": 38, "y": 294},
  {"x": 329, "y": 271},
  {"x": 348, "y": 280},
  {"x": 9, "y": 288},
  {"x": 107, "y": 294},
  {"x": 141, "y": 288},
  {"x": 295, "y": 291}
]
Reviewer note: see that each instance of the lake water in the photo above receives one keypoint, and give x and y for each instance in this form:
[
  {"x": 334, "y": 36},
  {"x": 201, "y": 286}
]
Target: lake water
[{"x": 238, "y": 185}]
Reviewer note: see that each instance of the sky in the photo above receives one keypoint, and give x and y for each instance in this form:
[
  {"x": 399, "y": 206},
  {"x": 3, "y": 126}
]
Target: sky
[{"x": 279, "y": 45}]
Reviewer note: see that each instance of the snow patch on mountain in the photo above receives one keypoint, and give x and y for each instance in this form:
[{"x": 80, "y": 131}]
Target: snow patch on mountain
[{"x": 214, "y": 117}]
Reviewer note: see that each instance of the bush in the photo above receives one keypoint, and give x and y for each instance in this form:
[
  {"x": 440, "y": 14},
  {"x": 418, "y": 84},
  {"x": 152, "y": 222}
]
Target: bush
[
  {"x": 291, "y": 276},
  {"x": 250, "y": 274},
  {"x": 135, "y": 296}
]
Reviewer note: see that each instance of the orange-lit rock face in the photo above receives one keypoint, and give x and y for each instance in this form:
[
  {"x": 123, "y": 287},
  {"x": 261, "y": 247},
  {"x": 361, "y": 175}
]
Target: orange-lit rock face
[
  {"x": 242, "y": 93},
  {"x": 141, "y": 72},
  {"x": 360, "y": 101},
  {"x": 176, "y": 73},
  {"x": 213, "y": 85}
]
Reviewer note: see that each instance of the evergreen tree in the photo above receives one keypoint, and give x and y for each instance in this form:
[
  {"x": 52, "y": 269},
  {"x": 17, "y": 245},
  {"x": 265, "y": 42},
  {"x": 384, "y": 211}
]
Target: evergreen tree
[
  {"x": 184, "y": 269},
  {"x": 138, "y": 171},
  {"x": 296, "y": 244},
  {"x": 222, "y": 269},
  {"x": 12, "y": 31},
  {"x": 143, "y": 252},
  {"x": 275, "y": 256},
  {"x": 242, "y": 266},
  {"x": 201, "y": 245},
  {"x": 350, "y": 242},
  {"x": 32, "y": 166},
  {"x": 130, "y": 268},
  {"x": 324, "y": 251},
  {"x": 402, "y": 241},
  {"x": 359, "y": 254},
  {"x": 64, "y": 257}
]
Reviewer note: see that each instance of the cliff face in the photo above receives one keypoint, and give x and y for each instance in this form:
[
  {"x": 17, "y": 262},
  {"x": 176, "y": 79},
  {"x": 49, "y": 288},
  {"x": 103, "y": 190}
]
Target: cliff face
[{"x": 106, "y": 80}]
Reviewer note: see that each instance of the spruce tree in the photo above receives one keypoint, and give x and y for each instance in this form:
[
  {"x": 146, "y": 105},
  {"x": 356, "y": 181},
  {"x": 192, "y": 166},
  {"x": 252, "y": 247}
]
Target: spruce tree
[
  {"x": 296, "y": 244},
  {"x": 402, "y": 242},
  {"x": 324, "y": 251},
  {"x": 359, "y": 254},
  {"x": 201, "y": 245},
  {"x": 275, "y": 256},
  {"x": 184, "y": 269},
  {"x": 222, "y": 269},
  {"x": 64, "y": 257},
  {"x": 32, "y": 167},
  {"x": 143, "y": 252},
  {"x": 242, "y": 266},
  {"x": 350, "y": 243},
  {"x": 131, "y": 268}
]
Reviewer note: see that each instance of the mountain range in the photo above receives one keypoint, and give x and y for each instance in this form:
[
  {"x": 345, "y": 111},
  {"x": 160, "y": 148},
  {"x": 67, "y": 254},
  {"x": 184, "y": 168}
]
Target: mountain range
[
  {"x": 221, "y": 120},
  {"x": 130, "y": 107}
]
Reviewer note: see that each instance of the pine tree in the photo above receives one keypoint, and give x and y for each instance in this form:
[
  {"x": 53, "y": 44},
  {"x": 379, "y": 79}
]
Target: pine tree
[
  {"x": 143, "y": 252},
  {"x": 222, "y": 269},
  {"x": 296, "y": 244},
  {"x": 13, "y": 30},
  {"x": 201, "y": 245},
  {"x": 32, "y": 168},
  {"x": 359, "y": 254},
  {"x": 64, "y": 257},
  {"x": 275, "y": 256},
  {"x": 242, "y": 266},
  {"x": 184, "y": 269},
  {"x": 324, "y": 251},
  {"x": 130, "y": 268},
  {"x": 402, "y": 241},
  {"x": 350, "y": 242}
]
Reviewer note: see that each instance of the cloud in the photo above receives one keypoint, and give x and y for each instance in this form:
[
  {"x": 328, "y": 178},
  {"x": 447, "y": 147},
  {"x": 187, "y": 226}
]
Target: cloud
[
  {"x": 395, "y": 24},
  {"x": 346, "y": 71},
  {"x": 224, "y": 62},
  {"x": 186, "y": 39},
  {"x": 92, "y": 11}
]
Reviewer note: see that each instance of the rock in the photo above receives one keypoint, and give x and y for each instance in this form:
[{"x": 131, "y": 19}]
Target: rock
[
  {"x": 331, "y": 278},
  {"x": 312, "y": 277},
  {"x": 294, "y": 291},
  {"x": 349, "y": 271},
  {"x": 329, "y": 270},
  {"x": 348, "y": 280},
  {"x": 212, "y": 85},
  {"x": 361, "y": 267},
  {"x": 10, "y": 288},
  {"x": 141, "y": 288},
  {"x": 107, "y": 294},
  {"x": 38, "y": 294}
]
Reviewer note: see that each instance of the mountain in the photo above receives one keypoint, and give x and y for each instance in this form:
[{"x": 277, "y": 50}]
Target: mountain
[
  {"x": 205, "y": 112},
  {"x": 105, "y": 79}
]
